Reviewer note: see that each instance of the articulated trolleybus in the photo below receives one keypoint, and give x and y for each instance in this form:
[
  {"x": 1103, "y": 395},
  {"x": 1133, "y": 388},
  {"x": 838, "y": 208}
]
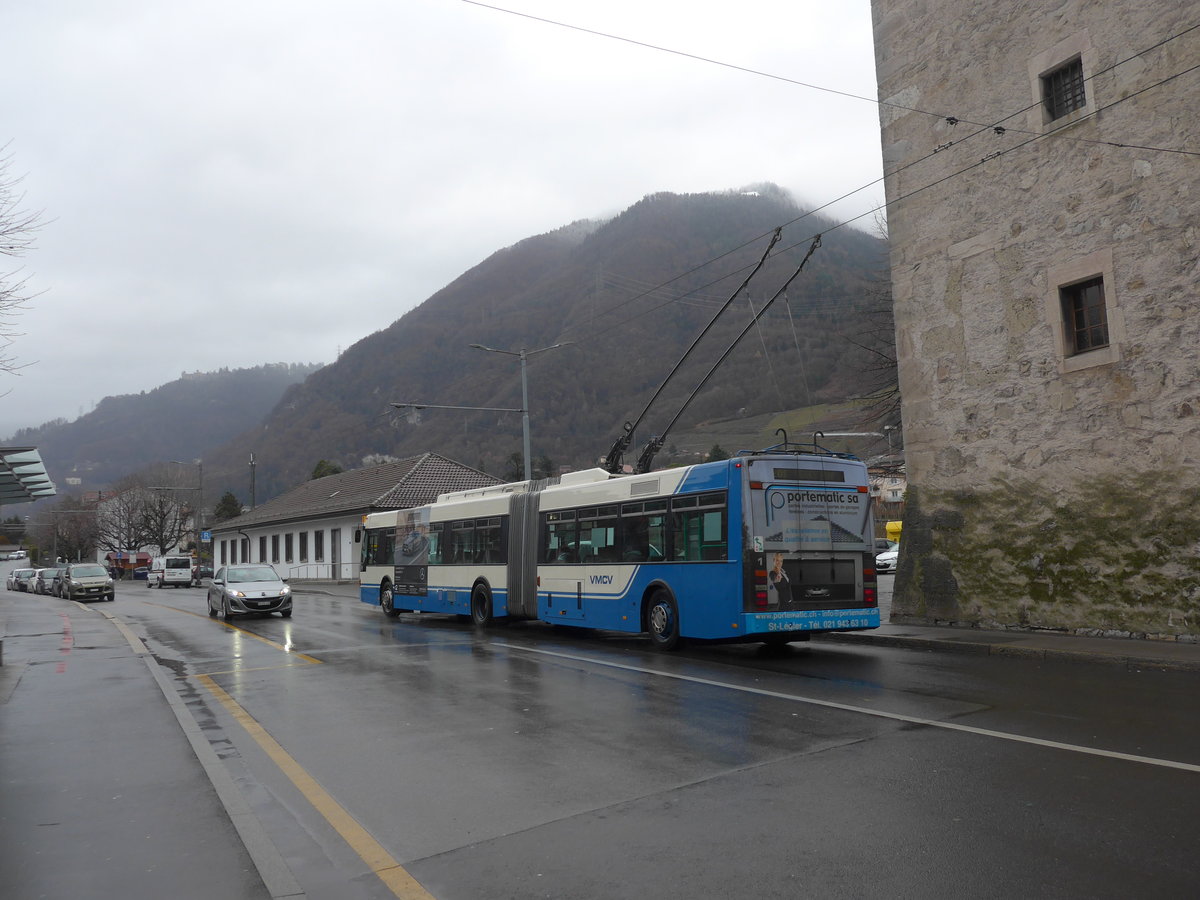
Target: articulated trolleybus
[{"x": 768, "y": 546}]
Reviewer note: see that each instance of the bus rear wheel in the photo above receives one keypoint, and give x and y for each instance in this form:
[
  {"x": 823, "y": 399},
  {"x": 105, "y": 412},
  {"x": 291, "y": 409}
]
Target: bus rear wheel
[
  {"x": 387, "y": 601},
  {"x": 481, "y": 606},
  {"x": 662, "y": 621}
]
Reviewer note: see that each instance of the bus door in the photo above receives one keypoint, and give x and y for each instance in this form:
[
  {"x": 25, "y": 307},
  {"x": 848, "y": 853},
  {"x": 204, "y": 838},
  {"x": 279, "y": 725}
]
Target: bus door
[
  {"x": 522, "y": 554},
  {"x": 810, "y": 530}
]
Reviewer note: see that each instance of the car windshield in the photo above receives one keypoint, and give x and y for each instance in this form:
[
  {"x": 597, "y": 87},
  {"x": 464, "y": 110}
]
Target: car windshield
[
  {"x": 242, "y": 576},
  {"x": 88, "y": 571}
]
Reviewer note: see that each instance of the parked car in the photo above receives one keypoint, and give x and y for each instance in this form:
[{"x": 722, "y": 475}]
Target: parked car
[
  {"x": 241, "y": 590},
  {"x": 141, "y": 573},
  {"x": 199, "y": 573},
  {"x": 83, "y": 580},
  {"x": 882, "y": 545},
  {"x": 18, "y": 579},
  {"x": 47, "y": 581},
  {"x": 885, "y": 562}
]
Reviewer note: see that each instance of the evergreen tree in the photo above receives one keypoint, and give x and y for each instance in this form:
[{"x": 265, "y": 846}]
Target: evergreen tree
[
  {"x": 717, "y": 452},
  {"x": 228, "y": 507},
  {"x": 325, "y": 467}
]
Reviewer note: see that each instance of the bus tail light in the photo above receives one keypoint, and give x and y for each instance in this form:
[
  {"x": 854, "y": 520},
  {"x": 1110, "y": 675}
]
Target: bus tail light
[{"x": 760, "y": 588}]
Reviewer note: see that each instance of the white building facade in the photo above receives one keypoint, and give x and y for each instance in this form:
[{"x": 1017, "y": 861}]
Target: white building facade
[{"x": 312, "y": 532}]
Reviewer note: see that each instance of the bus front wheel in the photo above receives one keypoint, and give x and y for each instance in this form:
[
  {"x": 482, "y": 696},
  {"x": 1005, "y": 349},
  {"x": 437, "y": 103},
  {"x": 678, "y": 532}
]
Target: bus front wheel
[
  {"x": 481, "y": 606},
  {"x": 387, "y": 601},
  {"x": 662, "y": 621}
]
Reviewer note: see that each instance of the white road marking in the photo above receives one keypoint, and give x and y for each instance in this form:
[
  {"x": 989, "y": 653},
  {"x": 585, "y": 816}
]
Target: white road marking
[{"x": 866, "y": 711}]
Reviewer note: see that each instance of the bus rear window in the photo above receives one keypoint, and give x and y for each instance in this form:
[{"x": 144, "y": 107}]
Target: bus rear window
[{"x": 809, "y": 475}]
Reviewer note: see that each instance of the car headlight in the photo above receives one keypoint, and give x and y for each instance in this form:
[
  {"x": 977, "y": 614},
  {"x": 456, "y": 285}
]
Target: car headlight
[{"x": 285, "y": 592}]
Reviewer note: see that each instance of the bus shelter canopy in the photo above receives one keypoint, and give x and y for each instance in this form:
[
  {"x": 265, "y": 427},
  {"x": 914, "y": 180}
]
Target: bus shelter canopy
[{"x": 23, "y": 475}]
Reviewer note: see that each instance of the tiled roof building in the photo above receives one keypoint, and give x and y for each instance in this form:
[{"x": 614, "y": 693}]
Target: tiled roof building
[{"x": 308, "y": 532}]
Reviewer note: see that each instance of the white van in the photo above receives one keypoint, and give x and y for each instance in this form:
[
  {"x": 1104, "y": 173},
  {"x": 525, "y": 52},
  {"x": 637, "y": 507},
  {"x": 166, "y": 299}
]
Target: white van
[{"x": 170, "y": 570}]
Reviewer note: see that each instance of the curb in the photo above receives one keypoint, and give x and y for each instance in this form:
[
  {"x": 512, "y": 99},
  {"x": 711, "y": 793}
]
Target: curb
[{"x": 984, "y": 648}]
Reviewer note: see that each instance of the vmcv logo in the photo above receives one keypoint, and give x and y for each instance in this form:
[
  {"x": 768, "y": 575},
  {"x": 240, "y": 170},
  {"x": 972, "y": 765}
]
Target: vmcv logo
[{"x": 601, "y": 579}]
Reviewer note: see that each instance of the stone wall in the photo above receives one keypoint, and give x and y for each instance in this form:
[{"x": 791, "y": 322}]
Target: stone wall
[{"x": 1046, "y": 489}]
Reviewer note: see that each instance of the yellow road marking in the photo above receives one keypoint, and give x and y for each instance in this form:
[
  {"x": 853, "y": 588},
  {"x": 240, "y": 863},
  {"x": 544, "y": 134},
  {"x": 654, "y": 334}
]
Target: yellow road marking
[
  {"x": 389, "y": 871},
  {"x": 257, "y": 637},
  {"x": 243, "y": 669}
]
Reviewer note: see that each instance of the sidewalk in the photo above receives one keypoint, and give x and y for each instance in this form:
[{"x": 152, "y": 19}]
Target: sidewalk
[
  {"x": 1128, "y": 653},
  {"x": 103, "y": 793}
]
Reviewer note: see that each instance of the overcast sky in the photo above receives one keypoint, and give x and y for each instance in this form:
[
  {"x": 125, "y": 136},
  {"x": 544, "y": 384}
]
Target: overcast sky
[{"x": 231, "y": 183}]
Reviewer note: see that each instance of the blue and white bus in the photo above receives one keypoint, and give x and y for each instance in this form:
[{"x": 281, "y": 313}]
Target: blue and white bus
[{"x": 768, "y": 546}]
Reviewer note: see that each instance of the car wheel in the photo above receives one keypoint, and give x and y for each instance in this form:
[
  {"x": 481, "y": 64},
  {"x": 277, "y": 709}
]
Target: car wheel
[
  {"x": 287, "y": 613},
  {"x": 481, "y": 606},
  {"x": 387, "y": 601},
  {"x": 225, "y": 610},
  {"x": 662, "y": 621}
]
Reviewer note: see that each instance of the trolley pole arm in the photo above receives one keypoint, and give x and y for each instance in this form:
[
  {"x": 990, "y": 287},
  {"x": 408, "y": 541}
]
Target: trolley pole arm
[
  {"x": 616, "y": 456},
  {"x": 646, "y": 459}
]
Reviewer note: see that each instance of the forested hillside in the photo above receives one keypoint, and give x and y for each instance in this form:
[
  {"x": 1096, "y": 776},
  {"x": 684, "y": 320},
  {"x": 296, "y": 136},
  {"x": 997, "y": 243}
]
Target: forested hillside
[
  {"x": 179, "y": 420},
  {"x": 630, "y": 294}
]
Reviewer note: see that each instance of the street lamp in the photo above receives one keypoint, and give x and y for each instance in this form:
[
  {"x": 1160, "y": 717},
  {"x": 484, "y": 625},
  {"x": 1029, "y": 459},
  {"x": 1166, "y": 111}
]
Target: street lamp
[
  {"x": 199, "y": 464},
  {"x": 524, "y": 355}
]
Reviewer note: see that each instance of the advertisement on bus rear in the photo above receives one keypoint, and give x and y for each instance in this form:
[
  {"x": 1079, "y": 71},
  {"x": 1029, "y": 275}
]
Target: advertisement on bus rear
[
  {"x": 412, "y": 553},
  {"x": 829, "y": 516}
]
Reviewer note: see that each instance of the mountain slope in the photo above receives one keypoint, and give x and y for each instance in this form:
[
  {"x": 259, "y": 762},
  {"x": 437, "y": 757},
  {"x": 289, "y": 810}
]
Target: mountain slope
[
  {"x": 597, "y": 286},
  {"x": 178, "y": 420}
]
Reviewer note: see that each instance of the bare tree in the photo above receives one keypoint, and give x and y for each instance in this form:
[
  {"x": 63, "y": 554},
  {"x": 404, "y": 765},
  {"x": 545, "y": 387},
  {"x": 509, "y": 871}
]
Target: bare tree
[
  {"x": 121, "y": 519},
  {"x": 65, "y": 531},
  {"x": 76, "y": 522},
  {"x": 17, "y": 228},
  {"x": 166, "y": 520}
]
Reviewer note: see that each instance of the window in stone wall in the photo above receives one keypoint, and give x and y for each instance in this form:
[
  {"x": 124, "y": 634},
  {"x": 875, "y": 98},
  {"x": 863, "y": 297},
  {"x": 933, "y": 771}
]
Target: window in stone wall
[
  {"x": 1062, "y": 89},
  {"x": 1083, "y": 311},
  {"x": 1085, "y": 317}
]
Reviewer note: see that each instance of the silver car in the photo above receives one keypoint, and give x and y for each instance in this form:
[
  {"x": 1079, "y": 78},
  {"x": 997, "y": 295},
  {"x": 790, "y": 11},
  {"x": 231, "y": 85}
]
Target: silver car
[
  {"x": 242, "y": 590},
  {"x": 83, "y": 580},
  {"x": 18, "y": 579},
  {"x": 21, "y": 579}
]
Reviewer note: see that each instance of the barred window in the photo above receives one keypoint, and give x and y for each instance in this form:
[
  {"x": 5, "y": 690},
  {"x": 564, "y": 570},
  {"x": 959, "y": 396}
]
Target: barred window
[{"x": 1062, "y": 89}]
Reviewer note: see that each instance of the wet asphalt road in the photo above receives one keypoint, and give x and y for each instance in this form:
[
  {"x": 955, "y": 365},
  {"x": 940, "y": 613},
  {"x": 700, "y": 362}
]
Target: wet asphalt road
[{"x": 527, "y": 761}]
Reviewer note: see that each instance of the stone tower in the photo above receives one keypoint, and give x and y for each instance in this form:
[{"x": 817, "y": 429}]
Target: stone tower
[{"x": 1043, "y": 188}]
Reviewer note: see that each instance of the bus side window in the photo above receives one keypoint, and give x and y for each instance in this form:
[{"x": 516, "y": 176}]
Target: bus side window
[
  {"x": 435, "y": 544},
  {"x": 461, "y": 549},
  {"x": 597, "y": 533},
  {"x": 699, "y": 528},
  {"x": 558, "y": 533}
]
